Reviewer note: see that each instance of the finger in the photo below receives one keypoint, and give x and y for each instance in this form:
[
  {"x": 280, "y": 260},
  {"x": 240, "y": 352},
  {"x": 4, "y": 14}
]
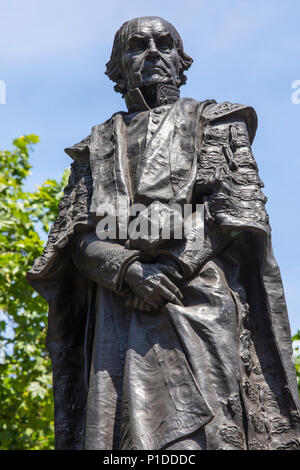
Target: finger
[
  {"x": 172, "y": 273},
  {"x": 147, "y": 307},
  {"x": 169, "y": 271},
  {"x": 154, "y": 302},
  {"x": 170, "y": 297},
  {"x": 144, "y": 305},
  {"x": 171, "y": 287},
  {"x": 128, "y": 301},
  {"x": 139, "y": 304},
  {"x": 135, "y": 302}
]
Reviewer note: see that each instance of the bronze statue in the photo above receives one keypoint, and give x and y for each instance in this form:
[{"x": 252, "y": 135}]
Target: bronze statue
[{"x": 176, "y": 343}]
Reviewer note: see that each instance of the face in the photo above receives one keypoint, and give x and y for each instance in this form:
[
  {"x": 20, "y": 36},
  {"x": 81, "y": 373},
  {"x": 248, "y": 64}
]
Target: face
[{"x": 149, "y": 55}]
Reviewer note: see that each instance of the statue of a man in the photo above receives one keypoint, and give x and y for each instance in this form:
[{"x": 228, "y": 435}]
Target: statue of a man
[{"x": 177, "y": 344}]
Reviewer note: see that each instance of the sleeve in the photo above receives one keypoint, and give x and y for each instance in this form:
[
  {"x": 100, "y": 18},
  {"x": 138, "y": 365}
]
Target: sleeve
[
  {"x": 73, "y": 215},
  {"x": 228, "y": 179},
  {"x": 76, "y": 221},
  {"x": 103, "y": 261},
  {"x": 71, "y": 298}
]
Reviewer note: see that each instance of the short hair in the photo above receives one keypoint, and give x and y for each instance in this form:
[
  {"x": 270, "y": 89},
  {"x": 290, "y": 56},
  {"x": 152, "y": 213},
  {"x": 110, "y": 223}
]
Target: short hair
[{"x": 114, "y": 69}]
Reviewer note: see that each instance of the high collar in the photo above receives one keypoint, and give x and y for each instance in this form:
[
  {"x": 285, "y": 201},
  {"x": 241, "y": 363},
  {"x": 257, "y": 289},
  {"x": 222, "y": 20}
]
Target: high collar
[{"x": 166, "y": 94}]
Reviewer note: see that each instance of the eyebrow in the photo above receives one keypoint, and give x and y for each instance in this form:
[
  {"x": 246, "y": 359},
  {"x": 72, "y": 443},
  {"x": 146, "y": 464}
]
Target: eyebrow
[
  {"x": 143, "y": 36},
  {"x": 165, "y": 35},
  {"x": 137, "y": 36}
]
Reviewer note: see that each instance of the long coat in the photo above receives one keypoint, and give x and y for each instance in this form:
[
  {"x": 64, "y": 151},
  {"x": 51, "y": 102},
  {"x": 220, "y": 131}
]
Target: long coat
[{"x": 223, "y": 361}]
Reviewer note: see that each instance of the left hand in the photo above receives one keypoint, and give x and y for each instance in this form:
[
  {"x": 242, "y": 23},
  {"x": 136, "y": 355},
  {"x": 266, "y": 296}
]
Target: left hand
[{"x": 169, "y": 268}]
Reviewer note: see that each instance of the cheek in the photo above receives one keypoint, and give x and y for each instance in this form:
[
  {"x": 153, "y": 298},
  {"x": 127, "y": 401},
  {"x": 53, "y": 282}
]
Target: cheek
[
  {"x": 131, "y": 63},
  {"x": 125, "y": 62},
  {"x": 174, "y": 59}
]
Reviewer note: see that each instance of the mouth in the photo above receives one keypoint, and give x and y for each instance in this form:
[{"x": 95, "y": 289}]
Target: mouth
[
  {"x": 153, "y": 69},
  {"x": 149, "y": 71}
]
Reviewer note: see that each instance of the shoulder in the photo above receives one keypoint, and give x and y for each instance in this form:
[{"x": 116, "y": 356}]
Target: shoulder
[
  {"x": 232, "y": 111},
  {"x": 82, "y": 149},
  {"x": 79, "y": 148}
]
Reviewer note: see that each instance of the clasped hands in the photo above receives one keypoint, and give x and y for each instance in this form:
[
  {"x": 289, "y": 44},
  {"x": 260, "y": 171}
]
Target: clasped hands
[{"x": 151, "y": 286}]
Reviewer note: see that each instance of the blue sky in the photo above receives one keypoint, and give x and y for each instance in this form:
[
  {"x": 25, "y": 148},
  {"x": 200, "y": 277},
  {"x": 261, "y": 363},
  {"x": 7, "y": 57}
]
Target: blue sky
[{"x": 52, "y": 59}]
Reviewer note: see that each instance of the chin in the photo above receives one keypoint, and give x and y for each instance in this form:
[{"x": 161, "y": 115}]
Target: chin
[{"x": 156, "y": 80}]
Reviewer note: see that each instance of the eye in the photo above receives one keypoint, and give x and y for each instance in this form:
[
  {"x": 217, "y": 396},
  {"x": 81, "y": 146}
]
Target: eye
[
  {"x": 136, "y": 45},
  {"x": 165, "y": 43}
]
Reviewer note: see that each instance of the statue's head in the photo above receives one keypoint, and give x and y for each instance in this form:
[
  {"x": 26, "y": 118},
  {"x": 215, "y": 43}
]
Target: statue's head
[{"x": 147, "y": 51}]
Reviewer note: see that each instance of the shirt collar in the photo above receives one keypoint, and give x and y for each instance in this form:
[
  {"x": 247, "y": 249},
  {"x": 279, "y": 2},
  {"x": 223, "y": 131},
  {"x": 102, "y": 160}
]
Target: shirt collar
[{"x": 166, "y": 94}]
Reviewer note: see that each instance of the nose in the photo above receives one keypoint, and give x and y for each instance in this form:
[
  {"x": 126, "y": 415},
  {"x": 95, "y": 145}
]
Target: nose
[{"x": 152, "y": 50}]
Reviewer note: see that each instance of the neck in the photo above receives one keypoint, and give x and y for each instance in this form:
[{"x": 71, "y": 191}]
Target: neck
[
  {"x": 150, "y": 95},
  {"x": 145, "y": 98},
  {"x": 159, "y": 94}
]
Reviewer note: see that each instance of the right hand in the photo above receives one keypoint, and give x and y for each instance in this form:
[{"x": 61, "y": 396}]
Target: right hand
[{"x": 151, "y": 285}]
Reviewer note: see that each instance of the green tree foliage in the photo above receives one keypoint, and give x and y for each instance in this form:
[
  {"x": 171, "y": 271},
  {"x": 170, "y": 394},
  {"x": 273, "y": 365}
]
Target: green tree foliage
[
  {"x": 26, "y": 403},
  {"x": 296, "y": 347}
]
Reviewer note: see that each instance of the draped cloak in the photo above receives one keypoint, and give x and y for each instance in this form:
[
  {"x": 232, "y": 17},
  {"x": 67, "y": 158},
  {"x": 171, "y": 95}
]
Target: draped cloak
[{"x": 221, "y": 363}]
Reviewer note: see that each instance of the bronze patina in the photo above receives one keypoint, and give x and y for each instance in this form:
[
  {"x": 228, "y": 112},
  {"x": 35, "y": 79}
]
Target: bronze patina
[{"x": 178, "y": 343}]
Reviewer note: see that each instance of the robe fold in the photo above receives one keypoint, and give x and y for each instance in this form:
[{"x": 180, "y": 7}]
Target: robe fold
[{"x": 215, "y": 373}]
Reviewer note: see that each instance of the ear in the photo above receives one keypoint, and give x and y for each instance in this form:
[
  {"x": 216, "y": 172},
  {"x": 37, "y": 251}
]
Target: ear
[
  {"x": 122, "y": 83},
  {"x": 178, "y": 76}
]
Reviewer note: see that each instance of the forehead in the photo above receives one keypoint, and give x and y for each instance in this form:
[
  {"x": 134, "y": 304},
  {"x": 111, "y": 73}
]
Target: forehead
[{"x": 147, "y": 27}]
